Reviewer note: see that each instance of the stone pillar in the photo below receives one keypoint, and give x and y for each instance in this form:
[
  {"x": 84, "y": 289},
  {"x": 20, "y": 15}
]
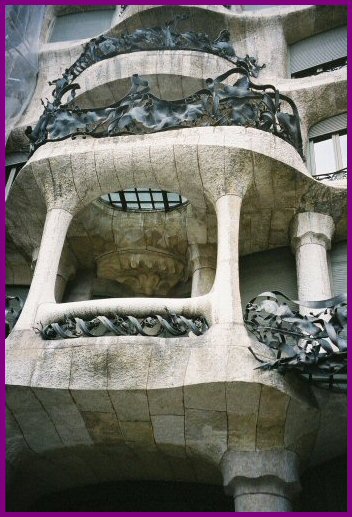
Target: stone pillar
[
  {"x": 226, "y": 291},
  {"x": 42, "y": 288},
  {"x": 203, "y": 268},
  {"x": 311, "y": 235},
  {"x": 261, "y": 481},
  {"x": 66, "y": 270}
]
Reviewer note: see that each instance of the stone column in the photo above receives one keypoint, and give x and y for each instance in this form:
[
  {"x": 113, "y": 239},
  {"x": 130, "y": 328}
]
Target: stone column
[
  {"x": 311, "y": 235},
  {"x": 261, "y": 481},
  {"x": 203, "y": 268},
  {"x": 42, "y": 288},
  {"x": 66, "y": 270},
  {"x": 226, "y": 291}
]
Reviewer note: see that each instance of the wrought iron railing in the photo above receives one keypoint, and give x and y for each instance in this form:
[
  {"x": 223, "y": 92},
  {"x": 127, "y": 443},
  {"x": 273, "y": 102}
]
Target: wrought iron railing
[
  {"x": 155, "y": 38},
  {"x": 313, "y": 345},
  {"x": 168, "y": 325},
  {"x": 140, "y": 112},
  {"x": 332, "y": 176},
  {"x": 13, "y": 309}
]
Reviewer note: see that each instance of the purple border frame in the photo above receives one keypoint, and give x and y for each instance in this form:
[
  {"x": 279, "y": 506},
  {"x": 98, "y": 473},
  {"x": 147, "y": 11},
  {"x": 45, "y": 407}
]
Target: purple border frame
[{"x": 2, "y": 207}]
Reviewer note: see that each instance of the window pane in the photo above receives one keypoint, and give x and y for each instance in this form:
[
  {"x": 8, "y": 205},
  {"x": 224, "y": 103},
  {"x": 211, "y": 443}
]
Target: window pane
[
  {"x": 115, "y": 196},
  {"x": 130, "y": 196},
  {"x": 343, "y": 146},
  {"x": 144, "y": 196},
  {"x": 324, "y": 157},
  {"x": 173, "y": 197},
  {"x": 157, "y": 196}
]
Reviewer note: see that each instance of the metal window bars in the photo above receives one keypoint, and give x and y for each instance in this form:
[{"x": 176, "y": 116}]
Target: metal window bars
[{"x": 144, "y": 200}]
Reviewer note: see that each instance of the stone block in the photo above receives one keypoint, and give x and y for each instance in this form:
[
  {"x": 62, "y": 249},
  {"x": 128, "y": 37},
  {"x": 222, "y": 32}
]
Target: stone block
[
  {"x": 168, "y": 401},
  {"x": 209, "y": 396},
  {"x": 89, "y": 368},
  {"x": 169, "y": 429},
  {"x": 53, "y": 369},
  {"x": 102, "y": 427},
  {"x": 137, "y": 432},
  {"x": 206, "y": 433},
  {"x": 130, "y": 405},
  {"x": 271, "y": 418}
]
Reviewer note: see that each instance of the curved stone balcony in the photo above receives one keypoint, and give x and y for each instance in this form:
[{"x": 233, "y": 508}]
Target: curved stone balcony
[{"x": 101, "y": 80}]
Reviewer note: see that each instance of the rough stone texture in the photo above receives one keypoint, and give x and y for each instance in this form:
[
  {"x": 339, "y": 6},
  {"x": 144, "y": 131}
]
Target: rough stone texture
[{"x": 89, "y": 410}]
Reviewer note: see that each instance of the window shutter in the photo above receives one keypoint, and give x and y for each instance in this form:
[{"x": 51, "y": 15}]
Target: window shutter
[
  {"x": 273, "y": 270},
  {"x": 338, "y": 260},
  {"x": 77, "y": 26},
  {"x": 328, "y": 126},
  {"x": 316, "y": 50}
]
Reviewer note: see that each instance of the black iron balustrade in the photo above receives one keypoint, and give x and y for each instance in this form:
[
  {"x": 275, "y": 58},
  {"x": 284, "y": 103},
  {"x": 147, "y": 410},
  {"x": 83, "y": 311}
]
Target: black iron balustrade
[
  {"x": 313, "y": 345},
  {"x": 139, "y": 112},
  {"x": 169, "y": 325},
  {"x": 332, "y": 176},
  {"x": 155, "y": 38},
  {"x": 13, "y": 309}
]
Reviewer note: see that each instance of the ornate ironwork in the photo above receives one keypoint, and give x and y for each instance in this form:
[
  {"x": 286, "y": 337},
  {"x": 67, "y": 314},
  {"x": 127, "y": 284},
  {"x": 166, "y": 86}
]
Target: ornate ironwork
[
  {"x": 314, "y": 345},
  {"x": 169, "y": 325},
  {"x": 155, "y": 38},
  {"x": 241, "y": 104},
  {"x": 13, "y": 308},
  {"x": 332, "y": 176}
]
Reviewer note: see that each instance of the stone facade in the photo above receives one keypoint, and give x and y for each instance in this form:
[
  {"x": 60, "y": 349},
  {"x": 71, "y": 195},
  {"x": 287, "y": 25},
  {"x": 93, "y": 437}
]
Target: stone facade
[{"x": 91, "y": 410}]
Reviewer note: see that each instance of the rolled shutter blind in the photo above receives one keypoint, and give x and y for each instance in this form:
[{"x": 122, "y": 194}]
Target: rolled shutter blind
[
  {"x": 76, "y": 26},
  {"x": 328, "y": 126},
  {"x": 321, "y": 48},
  {"x": 338, "y": 260},
  {"x": 273, "y": 270}
]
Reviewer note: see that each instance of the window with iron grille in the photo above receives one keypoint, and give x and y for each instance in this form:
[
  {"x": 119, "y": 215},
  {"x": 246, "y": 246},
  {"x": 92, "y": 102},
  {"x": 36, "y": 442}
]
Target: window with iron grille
[{"x": 144, "y": 199}]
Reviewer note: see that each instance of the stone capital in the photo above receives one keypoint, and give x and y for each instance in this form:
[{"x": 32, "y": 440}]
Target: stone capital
[
  {"x": 277, "y": 467},
  {"x": 312, "y": 228}
]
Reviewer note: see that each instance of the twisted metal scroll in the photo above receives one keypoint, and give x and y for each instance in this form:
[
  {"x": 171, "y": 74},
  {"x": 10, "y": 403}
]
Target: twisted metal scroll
[
  {"x": 140, "y": 112},
  {"x": 314, "y": 345},
  {"x": 171, "y": 325},
  {"x": 155, "y": 38}
]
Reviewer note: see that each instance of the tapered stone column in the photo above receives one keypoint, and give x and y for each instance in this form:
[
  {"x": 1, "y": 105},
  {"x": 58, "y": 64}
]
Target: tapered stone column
[
  {"x": 66, "y": 270},
  {"x": 227, "y": 299},
  {"x": 203, "y": 268},
  {"x": 261, "y": 481},
  {"x": 42, "y": 288},
  {"x": 311, "y": 235}
]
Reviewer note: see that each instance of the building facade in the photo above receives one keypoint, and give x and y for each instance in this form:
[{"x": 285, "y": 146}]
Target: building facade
[{"x": 166, "y": 165}]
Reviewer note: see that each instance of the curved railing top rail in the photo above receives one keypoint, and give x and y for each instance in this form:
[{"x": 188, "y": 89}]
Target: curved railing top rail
[{"x": 219, "y": 104}]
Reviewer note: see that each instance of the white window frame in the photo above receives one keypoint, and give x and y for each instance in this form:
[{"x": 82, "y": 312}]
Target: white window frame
[{"x": 337, "y": 151}]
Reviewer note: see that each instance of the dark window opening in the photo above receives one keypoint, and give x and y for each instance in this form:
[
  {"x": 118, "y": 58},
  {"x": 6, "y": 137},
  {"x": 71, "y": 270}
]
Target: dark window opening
[{"x": 144, "y": 200}]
